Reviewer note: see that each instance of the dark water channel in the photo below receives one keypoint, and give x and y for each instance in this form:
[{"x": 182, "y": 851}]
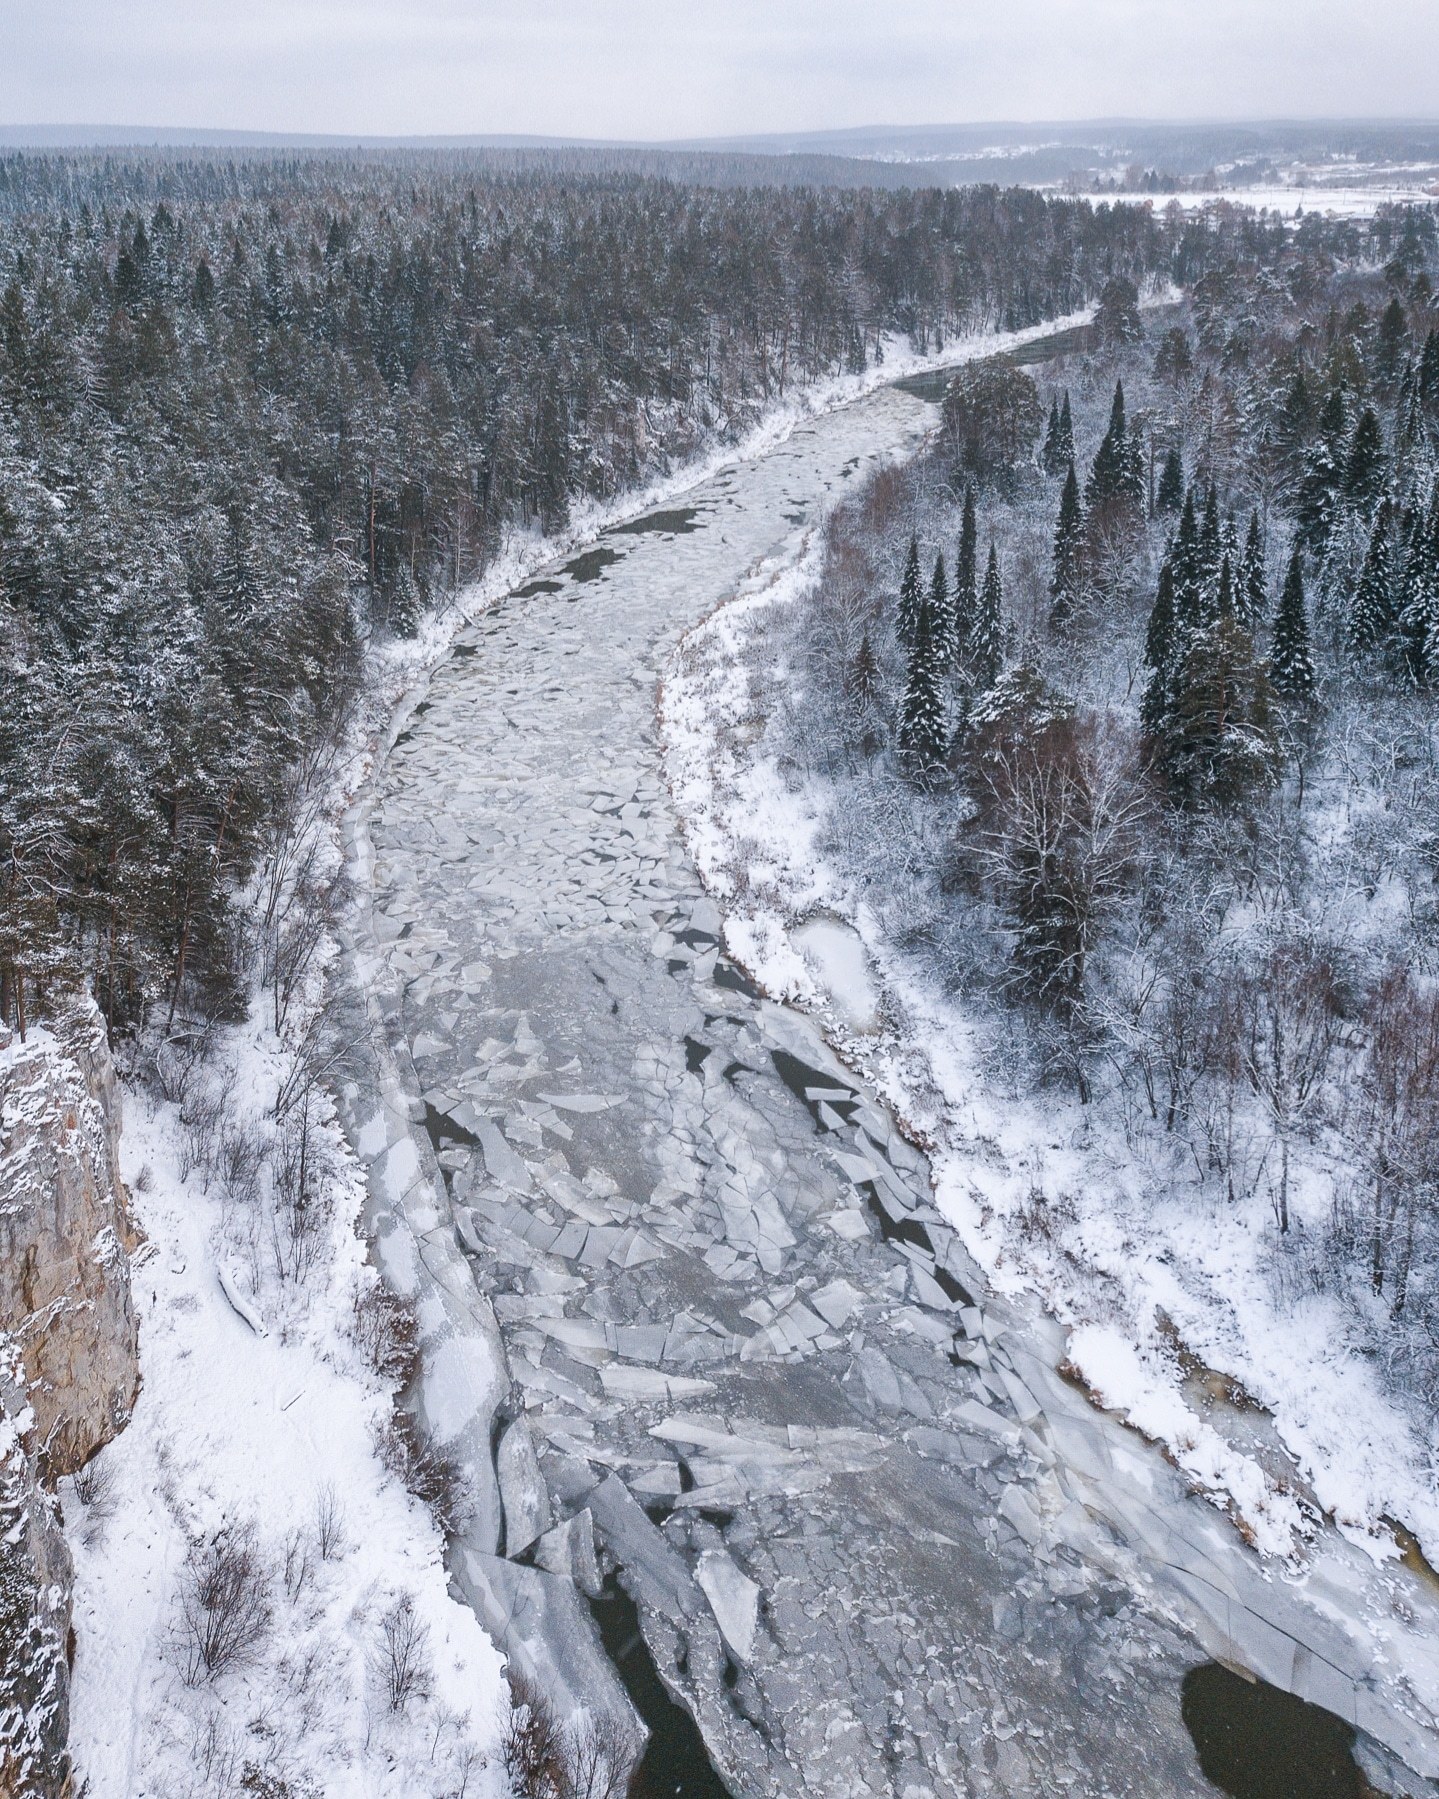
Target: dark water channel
[
  {"x": 1256, "y": 1741},
  {"x": 675, "y": 1764}
]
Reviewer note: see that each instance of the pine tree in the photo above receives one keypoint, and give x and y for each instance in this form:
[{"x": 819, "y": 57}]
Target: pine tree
[
  {"x": 1171, "y": 482},
  {"x": 1291, "y": 661},
  {"x": 1068, "y": 578},
  {"x": 966, "y": 593},
  {"x": 922, "y": 737},
  {"x": 986, "y": 640},
  {"x": 1371, "y": 616},
  {"x": 910, "y": 596},
  {"x": 1253, "y": 578}
]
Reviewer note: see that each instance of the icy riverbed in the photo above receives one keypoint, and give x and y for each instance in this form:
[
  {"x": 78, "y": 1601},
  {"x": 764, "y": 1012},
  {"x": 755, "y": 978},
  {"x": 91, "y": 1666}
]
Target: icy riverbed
[{"x": 678, "y": 1264}]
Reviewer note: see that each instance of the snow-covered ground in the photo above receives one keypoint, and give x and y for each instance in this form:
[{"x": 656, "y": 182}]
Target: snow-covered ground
[
  {"x": 1289, "y": 200},
  {"x": 1043, "y": 1199},
  {"x": 273, "y": 1435}
]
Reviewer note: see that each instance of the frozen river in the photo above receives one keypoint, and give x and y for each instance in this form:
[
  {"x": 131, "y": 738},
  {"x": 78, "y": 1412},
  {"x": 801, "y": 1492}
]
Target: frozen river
[{"x": 686, "y": 1304}]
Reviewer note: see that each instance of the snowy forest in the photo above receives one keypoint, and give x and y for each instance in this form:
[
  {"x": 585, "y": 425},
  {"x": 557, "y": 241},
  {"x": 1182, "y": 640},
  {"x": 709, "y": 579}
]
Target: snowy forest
[
  {"x": 253, "y": 414},
  {"x": 1118, "y": 706}
]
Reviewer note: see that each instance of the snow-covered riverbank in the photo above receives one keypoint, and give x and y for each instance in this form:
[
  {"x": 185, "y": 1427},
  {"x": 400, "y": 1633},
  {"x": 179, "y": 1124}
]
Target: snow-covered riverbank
[{"x": 1000, "y": 1162}]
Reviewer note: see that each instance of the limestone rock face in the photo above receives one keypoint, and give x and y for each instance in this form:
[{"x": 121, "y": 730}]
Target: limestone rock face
[
  {"x": 66, "y": 1237},
  {"x": 35, "y": 1585}
]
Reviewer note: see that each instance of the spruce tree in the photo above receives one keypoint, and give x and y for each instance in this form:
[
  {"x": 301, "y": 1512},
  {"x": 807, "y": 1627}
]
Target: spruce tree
[
  {"x": 1253, "y": 578},
  {"x": 1291, "y": 660},
  {"x": 1171, "y": 482},
  {"x": 1364, "y": 471},
  {"x": 1371, "y": 616},
  {"x": 910, "y": 597},
  {"x": 1115, "y": 478},
  {"x": 1429, "y": 375},
  {"x": 966, "y": 592},
  {"x": 1067, "y": 580},
  {"x": 1159, "y": 642},
  {"x": 1189, "y": 597},
  {"x": 941, "y": 613},
  {"x": 1392, "y": 341},
  {"x": 1419, "y": 604},
  {"x": 1050, "y": 453},
  {"x": 1216, "y": 743},
  {"x": 921, "y": 722},
  {"x": 986, "y": 640},
  {"x": 1065, "y": 446}
]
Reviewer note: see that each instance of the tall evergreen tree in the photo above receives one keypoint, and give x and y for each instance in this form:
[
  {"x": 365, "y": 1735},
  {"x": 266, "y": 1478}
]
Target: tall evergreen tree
[
  {"x": 986, "y": 640},
  {"x": 1159, "y": 645},
  {"x": 1371, "y": 616},
  {"x": 1253, "y": 578},
  {"x": 1064, "y": 449},
  {"x": 1364, "y": 472},
  {"x": 1291, "y": 659},
  {"x": 1049, "y": 457},
  {"x": 1114, "y": 478},
  {"x": 941, "y": 613},
  {"x": 966, "y": 589},
  {"x": 910, "y": 597},
  {"x": 922, "y": 733},
  {"x": 1066, "y": 583},
  {"x": 1419, "y": 600},
  {"x": 1171, "y": 482}
]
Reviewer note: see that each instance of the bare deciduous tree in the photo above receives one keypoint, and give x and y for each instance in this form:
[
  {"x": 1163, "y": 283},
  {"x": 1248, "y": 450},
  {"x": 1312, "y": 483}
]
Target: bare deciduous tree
[{"x": 224, "y": 1603}]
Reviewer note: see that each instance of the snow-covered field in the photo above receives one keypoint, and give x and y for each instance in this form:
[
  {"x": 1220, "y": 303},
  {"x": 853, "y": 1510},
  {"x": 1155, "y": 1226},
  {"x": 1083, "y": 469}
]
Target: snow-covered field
[
  {"x": 1044, "y": 1200},
  {"x": 1291, "y": 201}
]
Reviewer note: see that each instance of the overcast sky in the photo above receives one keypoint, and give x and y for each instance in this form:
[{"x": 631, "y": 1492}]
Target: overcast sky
[{"x": 681, "y": 68}]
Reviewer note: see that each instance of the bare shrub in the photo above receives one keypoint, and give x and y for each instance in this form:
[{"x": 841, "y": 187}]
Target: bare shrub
[
  {"x": 213, "y": 1755},
  {"x": 534, "y": 1750},
  {"x": 299, "y": 1562},
  {"x": 269, "y": 1783},
  {"x": 94, "y": 1486},
  {"x": 387, "y": 1334},
  {"x": 302, "y": 1205},
  {"x": 224, "y": 1603},
  {"x": 597, "y": 1759},
  {"x": 588, "y": 1758},
  {"x": 144, "y": 1181},
  {"x": 403, "y": 1659},
  {"x": 431, "y": 1477},
  {"x": 329, "y": 1523}
]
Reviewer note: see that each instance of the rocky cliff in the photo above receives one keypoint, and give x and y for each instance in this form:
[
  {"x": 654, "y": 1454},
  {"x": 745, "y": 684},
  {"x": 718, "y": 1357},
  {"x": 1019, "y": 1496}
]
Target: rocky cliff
[
  {"x": 66, "y": 1237},
  {"x": 69, "y": 1367}
]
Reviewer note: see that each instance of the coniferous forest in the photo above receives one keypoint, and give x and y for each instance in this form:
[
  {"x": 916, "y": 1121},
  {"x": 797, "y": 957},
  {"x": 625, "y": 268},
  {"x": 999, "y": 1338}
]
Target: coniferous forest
[
  {"x": 254, "y": 414},
  {"x": 1118, "y": 709}
]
